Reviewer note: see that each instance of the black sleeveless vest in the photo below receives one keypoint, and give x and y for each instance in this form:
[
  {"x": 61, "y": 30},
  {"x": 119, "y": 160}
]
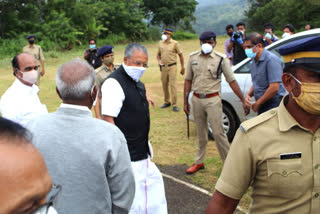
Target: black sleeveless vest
[{"x": 133, "y": 119}]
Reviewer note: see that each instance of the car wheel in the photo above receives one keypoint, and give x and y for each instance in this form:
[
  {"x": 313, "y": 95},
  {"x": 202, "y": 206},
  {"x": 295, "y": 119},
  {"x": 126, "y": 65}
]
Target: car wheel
[{"x": 229, "y": 123}]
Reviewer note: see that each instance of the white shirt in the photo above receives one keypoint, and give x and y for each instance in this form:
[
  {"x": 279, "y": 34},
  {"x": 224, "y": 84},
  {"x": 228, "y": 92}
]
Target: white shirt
[
  {"x": 20, "y": 103},
  {"x": 112, "y": 97},
  {"x": 83, "y": 108}
]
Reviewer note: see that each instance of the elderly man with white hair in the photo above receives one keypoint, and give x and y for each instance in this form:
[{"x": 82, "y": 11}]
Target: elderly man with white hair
[
  {"x": 87, "y": 156},
  {"x": 125, "y": 104}
]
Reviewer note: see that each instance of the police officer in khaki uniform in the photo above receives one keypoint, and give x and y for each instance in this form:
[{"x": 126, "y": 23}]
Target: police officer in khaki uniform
[
  {"x": 204, "y": 70},
  {"x": 167, "y": 59},
  {"x": 278, "y": 152},
  {"x": 106, "y": 56},
  {"x": 36, "y": 51}
]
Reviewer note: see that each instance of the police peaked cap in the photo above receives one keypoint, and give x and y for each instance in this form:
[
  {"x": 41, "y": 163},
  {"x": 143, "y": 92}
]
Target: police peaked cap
[
  {"x": 107, "y": 49},
  {"x": 208, "y": 35},
  {"x": 168, "y": 31},
  {"x": 30, "y": 36},
  {"x": 304, "y": 53}
]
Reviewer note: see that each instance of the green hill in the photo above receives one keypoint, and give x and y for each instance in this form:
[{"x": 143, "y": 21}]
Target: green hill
[{"x": 217, "y": 15}]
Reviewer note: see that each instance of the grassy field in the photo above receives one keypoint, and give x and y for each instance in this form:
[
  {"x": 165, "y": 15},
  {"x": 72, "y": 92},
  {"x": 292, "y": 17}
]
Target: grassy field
[{"x": 168, "y": 129}]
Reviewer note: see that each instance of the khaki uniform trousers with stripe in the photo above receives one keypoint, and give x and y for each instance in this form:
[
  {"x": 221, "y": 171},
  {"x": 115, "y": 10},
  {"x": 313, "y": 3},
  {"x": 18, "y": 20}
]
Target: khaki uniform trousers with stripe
[
  {"x": 168, "y": 79},
  {"x": 204, "y": 110}
]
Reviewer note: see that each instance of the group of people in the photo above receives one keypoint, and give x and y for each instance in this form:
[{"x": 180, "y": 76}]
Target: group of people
[
  {"x": 103, "y": 164},
  {"x": 100, "y": 165}
]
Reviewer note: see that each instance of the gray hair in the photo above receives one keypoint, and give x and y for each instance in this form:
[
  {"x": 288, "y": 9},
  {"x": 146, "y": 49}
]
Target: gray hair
[
  {"x": 135, "y": 46},
  {"x": 75, "y": 79}
]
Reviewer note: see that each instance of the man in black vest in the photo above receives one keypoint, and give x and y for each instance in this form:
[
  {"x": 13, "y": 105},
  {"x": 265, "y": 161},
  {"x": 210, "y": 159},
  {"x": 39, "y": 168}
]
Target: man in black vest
[{"x": 125, "y": 104}]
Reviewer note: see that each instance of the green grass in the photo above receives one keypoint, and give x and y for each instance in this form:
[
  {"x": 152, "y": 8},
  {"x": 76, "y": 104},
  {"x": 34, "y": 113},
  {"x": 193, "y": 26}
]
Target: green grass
[{"x": 168, "y": 133}]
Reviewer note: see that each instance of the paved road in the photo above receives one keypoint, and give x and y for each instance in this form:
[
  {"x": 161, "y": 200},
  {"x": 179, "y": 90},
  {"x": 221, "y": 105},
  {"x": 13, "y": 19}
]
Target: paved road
[{"x": 182, "y": 199}]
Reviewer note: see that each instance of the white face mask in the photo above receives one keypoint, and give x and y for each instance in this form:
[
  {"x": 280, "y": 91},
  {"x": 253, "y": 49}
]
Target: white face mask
[
  {"x": 206, "y": 48},
  {"x": 285, "y": 34},
  {"x": 134, "y": 72},
  {"x": 30, "y": 76},
  {"x": 164, "y": 37}
]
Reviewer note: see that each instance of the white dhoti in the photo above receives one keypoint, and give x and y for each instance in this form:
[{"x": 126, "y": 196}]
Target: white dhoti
[{"x": 150, "y": 195}]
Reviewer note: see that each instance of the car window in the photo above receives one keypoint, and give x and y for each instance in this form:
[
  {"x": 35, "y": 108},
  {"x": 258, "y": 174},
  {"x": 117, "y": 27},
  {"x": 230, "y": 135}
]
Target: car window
[{"x": 245, "y": 68}]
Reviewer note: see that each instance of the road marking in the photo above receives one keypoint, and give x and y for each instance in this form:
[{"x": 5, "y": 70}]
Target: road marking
[{"x": 196, "y": 188}]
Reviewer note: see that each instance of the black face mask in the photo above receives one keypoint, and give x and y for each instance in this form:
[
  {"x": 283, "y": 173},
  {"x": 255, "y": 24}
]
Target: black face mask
[
  {"x": 230, "y": 34},
  {"x": 31, "y": 42}
]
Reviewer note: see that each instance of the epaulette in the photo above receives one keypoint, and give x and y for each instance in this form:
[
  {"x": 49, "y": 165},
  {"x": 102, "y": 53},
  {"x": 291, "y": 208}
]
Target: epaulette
[
  {"x": 194, "y": 53},
  {"x": 98, "y": 69},
  {"x": 220, "y": 54},
  {"x": 248, "y": 124}
]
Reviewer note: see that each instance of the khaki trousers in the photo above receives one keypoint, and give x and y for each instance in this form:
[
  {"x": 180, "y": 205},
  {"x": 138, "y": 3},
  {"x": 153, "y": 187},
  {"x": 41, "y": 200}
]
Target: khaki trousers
[
  {"x": 204, "y": 110},
  {"x": 168, "y": 79}
]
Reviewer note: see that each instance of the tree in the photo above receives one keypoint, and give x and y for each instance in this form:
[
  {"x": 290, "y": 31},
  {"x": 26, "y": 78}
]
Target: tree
[
  {"x": 281, "y": 12},
  {"x": 170, "y": 12}
]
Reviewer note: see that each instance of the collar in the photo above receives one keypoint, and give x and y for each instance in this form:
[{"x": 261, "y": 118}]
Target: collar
[
  {"x": 169, "y": 41},
  {"x": 263, "y": 56},
  {"x": 83, "y": 108},
  {"x": 32, "y": 89},
  {"x": 212, "y": 54},
  {"x": 286, "y": 121}
]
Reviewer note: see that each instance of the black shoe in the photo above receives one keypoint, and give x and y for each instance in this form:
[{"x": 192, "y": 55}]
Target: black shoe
[
  {"x": 165, "y": 105},
  {"x": 175, "y": 108}
]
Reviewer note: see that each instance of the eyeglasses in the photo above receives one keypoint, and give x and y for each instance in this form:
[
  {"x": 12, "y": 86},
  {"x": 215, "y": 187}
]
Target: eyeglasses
[
  {"x": 48, "y": 208},
  {"x": 138, "y": 63},
  {"x": 30, "y": 68}
]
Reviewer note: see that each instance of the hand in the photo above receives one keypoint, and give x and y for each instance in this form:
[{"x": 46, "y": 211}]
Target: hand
[
  {"x": 186, "y": 108},
  {"x": 182, "y": 71},
  {"x": 232, "y": 37},
  {"x": 151, "y": 102},
  {"x": 255, "y": 106},
  {"x": 267, "y": 39},
  {"x": 248, "y": 101},
  {"x": 42, "y": 72},
  {"x": 240, "y": 41},
  {"x": 246, "y": 108}
]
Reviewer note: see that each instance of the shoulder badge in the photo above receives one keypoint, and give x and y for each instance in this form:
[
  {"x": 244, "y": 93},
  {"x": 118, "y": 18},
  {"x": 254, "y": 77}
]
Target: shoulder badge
[
  {"x": 194, "y": 53},
  {"x": 247, "y": 125},
  {"x": 220, "y": 54}
]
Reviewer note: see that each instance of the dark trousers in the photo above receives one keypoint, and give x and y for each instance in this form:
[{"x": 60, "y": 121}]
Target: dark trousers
[{"x": 270, "y": 104}]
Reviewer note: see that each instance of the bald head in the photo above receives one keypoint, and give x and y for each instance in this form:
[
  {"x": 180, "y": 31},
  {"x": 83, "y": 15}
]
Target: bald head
[
  {"x": 75, "y": 79},
  {"x": 21, "y": 61},
  {"x": 255, "y": 38},
  {"x": 24, "y": 178}
]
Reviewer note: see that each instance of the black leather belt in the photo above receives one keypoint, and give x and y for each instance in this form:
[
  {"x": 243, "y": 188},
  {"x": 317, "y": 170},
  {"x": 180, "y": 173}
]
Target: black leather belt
[
  {"x": 169, "y": 64},
  {"x": 202, "y": 96}
]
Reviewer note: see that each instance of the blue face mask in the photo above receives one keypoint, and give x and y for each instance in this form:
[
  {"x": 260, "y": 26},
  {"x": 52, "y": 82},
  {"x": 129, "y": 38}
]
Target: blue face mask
[
  {"x": 92, "y": 46},
  {"x": 249, "y": 52},
  {"x": 268, "y": 35}
]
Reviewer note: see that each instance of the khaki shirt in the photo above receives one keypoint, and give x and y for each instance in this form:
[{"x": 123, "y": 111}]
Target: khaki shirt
[
  {"x": 36, "y": 51},
  {"x": 202, "y": 71},
  {"x": 168, "y": 51},
  {"x": 101, "y": 74},
  {"x": 279, "y": 185}
]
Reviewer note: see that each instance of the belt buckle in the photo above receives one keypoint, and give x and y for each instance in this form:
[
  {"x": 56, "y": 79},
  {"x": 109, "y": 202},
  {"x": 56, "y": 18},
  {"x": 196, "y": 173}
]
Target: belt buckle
[{"x": 202, "y": 96}]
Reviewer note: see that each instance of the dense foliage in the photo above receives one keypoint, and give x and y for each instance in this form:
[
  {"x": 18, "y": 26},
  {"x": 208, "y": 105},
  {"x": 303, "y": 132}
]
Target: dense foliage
[
  {"x": 65, "y": 23},
  {"x": 218, "y": 15},
  {"x": 281, "y": 12}
]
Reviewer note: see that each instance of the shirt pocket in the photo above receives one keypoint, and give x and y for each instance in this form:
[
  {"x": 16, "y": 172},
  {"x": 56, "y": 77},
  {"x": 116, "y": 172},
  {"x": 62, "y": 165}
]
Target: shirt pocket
[
  {"x": 285, "y": 178},
  {"x": 211, "y": 72},
  {"x": 195, "y": 68}
]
